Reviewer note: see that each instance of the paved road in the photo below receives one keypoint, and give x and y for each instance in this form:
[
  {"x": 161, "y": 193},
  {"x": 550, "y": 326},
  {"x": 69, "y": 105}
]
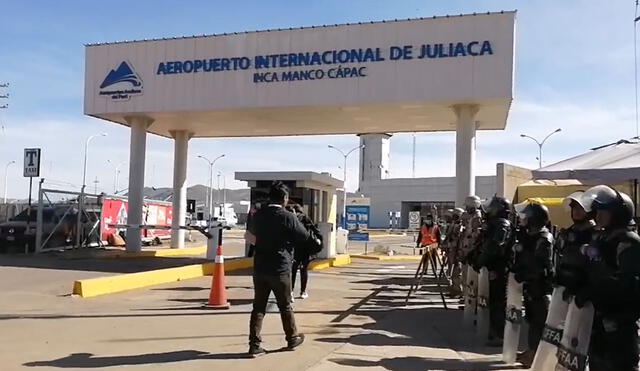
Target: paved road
[{"x": 355, "y": 318}]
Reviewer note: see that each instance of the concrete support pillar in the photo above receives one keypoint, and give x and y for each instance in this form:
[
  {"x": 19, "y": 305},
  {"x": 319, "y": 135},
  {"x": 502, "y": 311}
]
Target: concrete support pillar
[
  {"x": 137, "y": 153},
  {"x": 328, "y": 227},
  {"x": 465, "y": 151},
  {"x": 181, "y": 148}
]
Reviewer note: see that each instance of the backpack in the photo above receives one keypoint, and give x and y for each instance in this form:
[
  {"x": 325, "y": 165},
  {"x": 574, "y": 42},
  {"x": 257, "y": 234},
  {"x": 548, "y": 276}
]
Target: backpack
[{"x": 314, "y": 244}]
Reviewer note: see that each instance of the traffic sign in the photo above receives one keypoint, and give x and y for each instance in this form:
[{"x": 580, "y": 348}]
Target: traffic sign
[
  {"x": 414, "y": 219},
  {"x": 191, "y": 206},
  {"x": 32, "y": 162}
]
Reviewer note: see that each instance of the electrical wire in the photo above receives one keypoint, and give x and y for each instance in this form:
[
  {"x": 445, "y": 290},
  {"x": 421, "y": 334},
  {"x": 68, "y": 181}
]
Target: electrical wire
[{"x": 635, "y": 63}]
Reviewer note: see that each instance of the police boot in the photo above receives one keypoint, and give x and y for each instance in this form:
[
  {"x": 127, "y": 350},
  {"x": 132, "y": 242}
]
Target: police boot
[{"x": 526, "y": 357}]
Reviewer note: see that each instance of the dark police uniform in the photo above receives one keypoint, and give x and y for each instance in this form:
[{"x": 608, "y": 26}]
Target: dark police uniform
[
  {"x": 533, "y": 267},
  {"x": 613, "y": 287},
  {"x": 494, "y": 254}
]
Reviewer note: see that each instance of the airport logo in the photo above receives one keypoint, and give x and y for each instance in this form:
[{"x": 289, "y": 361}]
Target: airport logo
[{"x": 121, "y": 83}]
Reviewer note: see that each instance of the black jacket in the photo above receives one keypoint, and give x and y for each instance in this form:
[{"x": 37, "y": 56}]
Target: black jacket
[{"x": 277, "y": 231}]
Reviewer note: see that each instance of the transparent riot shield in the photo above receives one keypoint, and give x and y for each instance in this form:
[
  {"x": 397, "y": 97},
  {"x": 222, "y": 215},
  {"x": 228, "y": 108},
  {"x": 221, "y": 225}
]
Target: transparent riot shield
[
  {"x": 482, "y": 330},
  {"x": 572, "y": 352},
  {"x": 545, "y": 358},
  {"x": 470, "y": 299},
  {"x": 514, "y": 320}
]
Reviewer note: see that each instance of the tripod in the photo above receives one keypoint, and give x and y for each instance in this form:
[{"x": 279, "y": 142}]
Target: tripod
[{"x": 430, "y": 259}]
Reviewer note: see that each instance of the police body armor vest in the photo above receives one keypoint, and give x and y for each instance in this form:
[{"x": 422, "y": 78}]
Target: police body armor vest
[
  {"x": 532, "y": 260},
  {"x": 496, "y": 244}
]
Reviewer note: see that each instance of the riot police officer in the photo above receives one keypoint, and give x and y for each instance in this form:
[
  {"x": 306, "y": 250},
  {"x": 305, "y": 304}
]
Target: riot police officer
[
  {"x": 472, "y": 224},
  {"x": 494, "y": 254},
  {"x": 533, "y": 268},
  {"x": 452, "y": 249},
  {"x": 569, "y": 259},
  {"x": 471, "y": 221},
  {"x": 612, "y": 282}
]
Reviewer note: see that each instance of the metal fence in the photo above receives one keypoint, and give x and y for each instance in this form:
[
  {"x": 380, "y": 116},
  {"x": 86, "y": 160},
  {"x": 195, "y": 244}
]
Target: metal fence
[{"x": 9, "y": 210}]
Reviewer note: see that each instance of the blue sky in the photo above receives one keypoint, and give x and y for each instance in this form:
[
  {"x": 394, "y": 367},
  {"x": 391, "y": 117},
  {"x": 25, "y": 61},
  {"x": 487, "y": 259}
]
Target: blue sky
[{"x": 574, "y": 70}]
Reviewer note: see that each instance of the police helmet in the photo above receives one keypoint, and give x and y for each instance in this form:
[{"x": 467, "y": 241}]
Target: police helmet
[
  {"x": 534, "y": 215},
  {"x": 587, "y": 198},
  {"x": 617, "y": 203},
  {"x": 457, "y": 212},
  {"x": 497, "y": 207},
  {"x": 448, "y": 215},
  {"x": 472, "y": 202},
  {"x": 519, "y": 207},
  {"x": 575, "y": 199}
]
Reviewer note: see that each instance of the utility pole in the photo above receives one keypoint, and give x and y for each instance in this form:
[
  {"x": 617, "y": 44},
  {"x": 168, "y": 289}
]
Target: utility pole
[
  {"x": 218, "y": 197},
  {"x": 6, "y": 179},
  {"x": 344, "y": 181},
  {"x": 4, "y": 104},
  {"x": 95, "y": 185},
  {"x": 3, "y": 98},
  {"x": 210, "y": 190},
  {"x": 413, "y": 165}
]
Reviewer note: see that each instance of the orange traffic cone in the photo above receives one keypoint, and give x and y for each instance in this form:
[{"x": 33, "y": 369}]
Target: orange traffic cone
[{"x": 218, "y": 295}]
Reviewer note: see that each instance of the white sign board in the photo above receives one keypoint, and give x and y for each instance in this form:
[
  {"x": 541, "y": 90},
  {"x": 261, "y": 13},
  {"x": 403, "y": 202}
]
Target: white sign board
[
  {"x": 414, "y": 219},
  {"x": 32, "y": 162},
  {"x": 353, "y": 78}
]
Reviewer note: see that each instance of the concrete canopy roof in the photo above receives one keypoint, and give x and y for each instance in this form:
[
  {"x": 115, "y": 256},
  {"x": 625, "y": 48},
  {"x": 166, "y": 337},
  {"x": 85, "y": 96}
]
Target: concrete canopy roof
[
  {"x": 303, "y": 177},
  {"x": 468, "y": 59}
]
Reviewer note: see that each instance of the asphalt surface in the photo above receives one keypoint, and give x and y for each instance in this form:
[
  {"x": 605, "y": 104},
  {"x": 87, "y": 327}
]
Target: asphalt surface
[{"x": 355, "y": 318}]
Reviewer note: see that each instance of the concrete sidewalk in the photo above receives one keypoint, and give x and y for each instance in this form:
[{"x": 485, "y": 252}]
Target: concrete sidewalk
[{"x": 355, "y": 318}]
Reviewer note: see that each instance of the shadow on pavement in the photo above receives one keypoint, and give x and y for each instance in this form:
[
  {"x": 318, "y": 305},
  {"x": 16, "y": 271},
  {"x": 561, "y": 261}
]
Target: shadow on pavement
[
  {"x": 419, "y": 363},
  {"x": 203, "y": 301},
  {"x": 61, "y": 261},
  {"x": 183, "y": 288},
  {"x": 88, "y": 360}
]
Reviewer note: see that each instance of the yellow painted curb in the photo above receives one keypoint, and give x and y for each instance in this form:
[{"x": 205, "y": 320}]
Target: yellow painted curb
[
  {"x": 374, "y": 236},
  {"x": 130, "y": 281},
  {"x": 337, "y": 261},
  {"x": 164, "y": 253},
  {"x": 113, "y": 284},
  {"x": 388, "y": 258}
]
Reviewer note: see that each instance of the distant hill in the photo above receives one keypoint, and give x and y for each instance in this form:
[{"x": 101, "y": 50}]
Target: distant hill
[{"x": 199, "y": 193}]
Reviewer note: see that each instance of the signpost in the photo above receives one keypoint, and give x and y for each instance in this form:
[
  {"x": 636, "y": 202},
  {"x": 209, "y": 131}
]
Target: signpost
[
  {"x": 414, "y": 220},
  {"x": 31, "y": 170},
  {"x": 191, "y": 206},
  {"x": 31, "y": 166},
  {"x": 357, "y": 220}
]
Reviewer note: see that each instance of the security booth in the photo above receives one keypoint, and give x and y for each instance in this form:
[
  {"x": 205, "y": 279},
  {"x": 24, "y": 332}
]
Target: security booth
[{"x": 315, "y": 192}]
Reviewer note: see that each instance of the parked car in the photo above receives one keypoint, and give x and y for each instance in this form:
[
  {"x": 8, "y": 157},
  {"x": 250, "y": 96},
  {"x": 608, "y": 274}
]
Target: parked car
[{"x": 21, "y": 229}]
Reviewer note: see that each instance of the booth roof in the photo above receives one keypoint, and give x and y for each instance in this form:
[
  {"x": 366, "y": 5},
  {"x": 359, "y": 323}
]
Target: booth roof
[{"x": 612, "y": 162}]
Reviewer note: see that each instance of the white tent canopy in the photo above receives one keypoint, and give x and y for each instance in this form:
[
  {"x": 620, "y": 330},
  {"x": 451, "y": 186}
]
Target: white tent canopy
[{"x": 609, "y": 163}]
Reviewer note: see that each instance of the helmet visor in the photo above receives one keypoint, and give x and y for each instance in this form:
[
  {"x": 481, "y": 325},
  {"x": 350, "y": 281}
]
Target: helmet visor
[{"x": 572, "y": 200}]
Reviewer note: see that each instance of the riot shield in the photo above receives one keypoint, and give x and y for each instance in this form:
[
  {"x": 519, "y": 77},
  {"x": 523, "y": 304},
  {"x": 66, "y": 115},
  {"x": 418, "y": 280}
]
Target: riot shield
[
  {"x": 514, "y": 320},
  {"x": 545, "y": 358},
  {"x": 572, "y": 352},
  {"x": 482, "y": 330},
  {"x": 470, "y": 300}
]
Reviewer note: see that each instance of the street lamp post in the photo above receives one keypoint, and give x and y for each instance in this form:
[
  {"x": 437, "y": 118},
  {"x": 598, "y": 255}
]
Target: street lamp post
[
  {"x": 344, "y": 180},
  {"x": 84, "y": 184},
  {"x": 540, "y": 144},
  {"x": 224, "y": 193},
  {"x": 210, "y": 191},
  {"x": 6, "y": 179},
  {"x": 116, "y": 176}
]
